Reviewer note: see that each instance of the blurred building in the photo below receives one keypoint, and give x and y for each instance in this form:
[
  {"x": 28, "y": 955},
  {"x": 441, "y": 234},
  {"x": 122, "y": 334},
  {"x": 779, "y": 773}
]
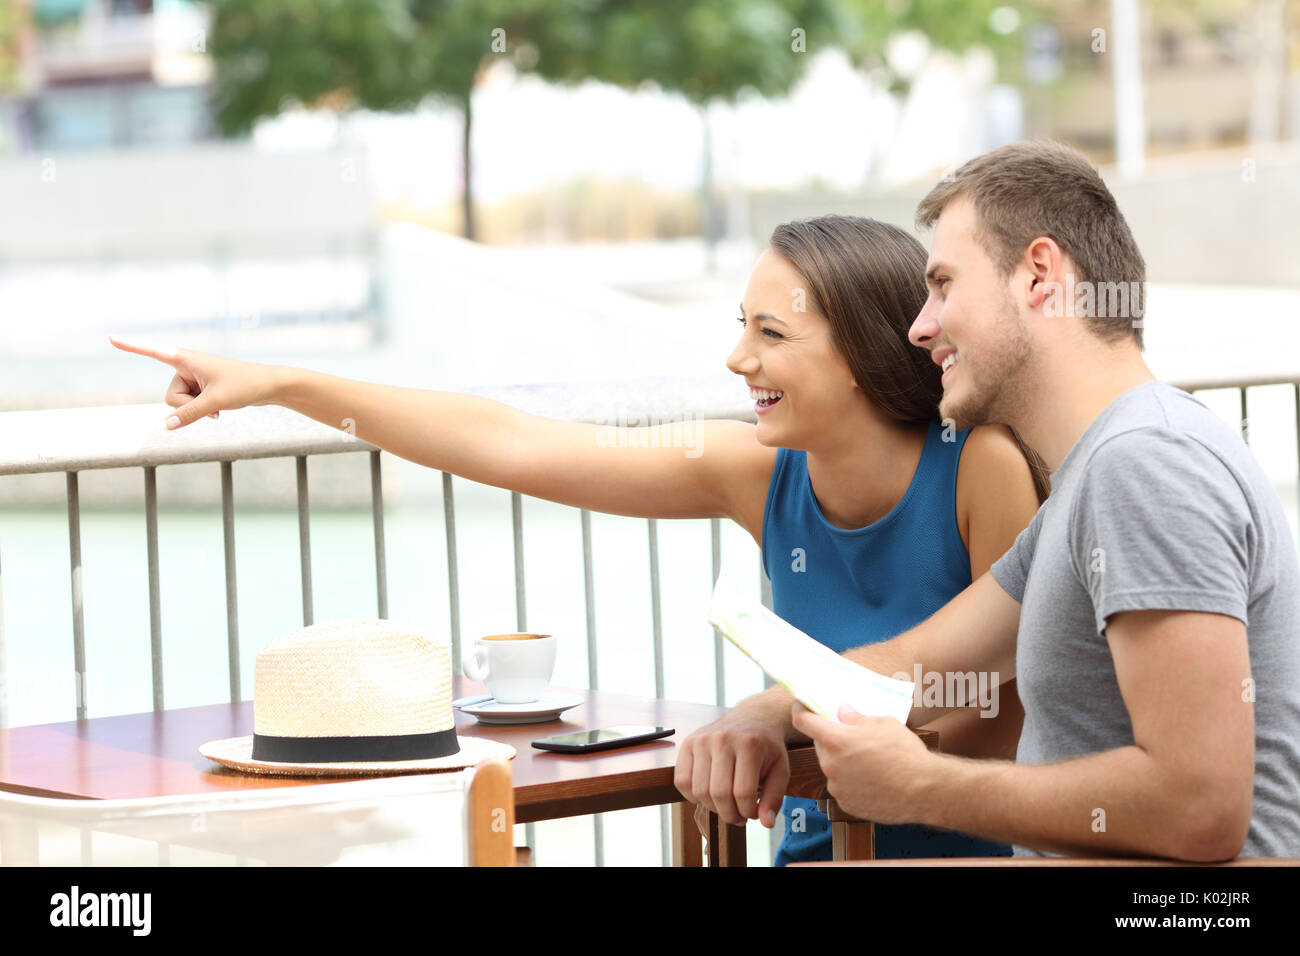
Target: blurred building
[
  {"x": 91, "y": 74},
  {"x": 1212, "y": 75},
  {"x": 125, "y": 212}
]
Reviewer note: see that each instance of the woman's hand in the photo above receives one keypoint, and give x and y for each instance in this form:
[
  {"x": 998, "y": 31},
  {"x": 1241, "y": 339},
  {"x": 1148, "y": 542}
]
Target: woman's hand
[{"x": 207, "y": 384}]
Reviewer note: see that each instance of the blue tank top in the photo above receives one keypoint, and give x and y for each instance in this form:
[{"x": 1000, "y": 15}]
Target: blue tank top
[{"x": 848, "y": 587}]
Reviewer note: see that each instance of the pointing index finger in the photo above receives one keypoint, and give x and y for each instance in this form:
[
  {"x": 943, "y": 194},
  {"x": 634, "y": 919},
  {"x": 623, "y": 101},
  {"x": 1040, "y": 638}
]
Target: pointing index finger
[{"x": 163, "y": 353}]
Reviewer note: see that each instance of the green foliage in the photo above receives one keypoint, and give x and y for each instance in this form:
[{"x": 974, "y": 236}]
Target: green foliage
[
  {"x": 391, "y": 54},
  {"x": 8, "y": 47},
  {"x": 953, "y": 25},
  {"x": 269, "y": 56},
  {"x": 704, "y": 49}
]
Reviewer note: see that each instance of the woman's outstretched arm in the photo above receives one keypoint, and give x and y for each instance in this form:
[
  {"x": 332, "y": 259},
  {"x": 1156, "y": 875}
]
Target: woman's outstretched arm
[
  {"x": 687, "y": 470},
  {"x": 682, "y": 470}
]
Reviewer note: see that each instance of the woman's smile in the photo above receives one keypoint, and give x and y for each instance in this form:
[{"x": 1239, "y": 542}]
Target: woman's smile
[{"x": 765, "y": 398}]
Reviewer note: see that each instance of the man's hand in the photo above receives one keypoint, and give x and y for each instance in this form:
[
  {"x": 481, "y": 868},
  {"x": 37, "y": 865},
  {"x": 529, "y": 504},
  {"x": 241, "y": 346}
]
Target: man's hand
[
  {"x": 872, "y": 764},
  {"x": 722, "y": 767}
]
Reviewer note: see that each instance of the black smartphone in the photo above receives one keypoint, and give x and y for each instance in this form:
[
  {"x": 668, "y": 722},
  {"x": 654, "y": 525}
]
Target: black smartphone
[{"x": 587, "y": 741}]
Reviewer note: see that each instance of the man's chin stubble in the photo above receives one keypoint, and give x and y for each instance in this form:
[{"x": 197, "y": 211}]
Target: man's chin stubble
[
  {"x": 979, "y": 409},
  {"x": 959, "y": 414}
]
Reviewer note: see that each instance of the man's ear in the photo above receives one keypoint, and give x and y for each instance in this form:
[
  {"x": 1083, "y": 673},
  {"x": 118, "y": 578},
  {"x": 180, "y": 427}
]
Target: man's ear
[{"x": 1043, "y": 261}]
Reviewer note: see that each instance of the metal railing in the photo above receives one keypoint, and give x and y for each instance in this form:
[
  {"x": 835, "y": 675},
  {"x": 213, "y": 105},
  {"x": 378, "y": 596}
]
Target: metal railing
[{"x": 73, "y": 440}]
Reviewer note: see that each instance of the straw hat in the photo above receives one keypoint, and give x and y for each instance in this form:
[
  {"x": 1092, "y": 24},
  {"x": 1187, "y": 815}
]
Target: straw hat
[{"x": 350, "y": 698}]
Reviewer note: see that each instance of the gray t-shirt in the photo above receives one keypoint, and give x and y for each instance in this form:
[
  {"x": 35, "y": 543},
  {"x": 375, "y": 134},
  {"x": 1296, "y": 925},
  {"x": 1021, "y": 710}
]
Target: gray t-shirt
[{"x": 1158, "y": 506}]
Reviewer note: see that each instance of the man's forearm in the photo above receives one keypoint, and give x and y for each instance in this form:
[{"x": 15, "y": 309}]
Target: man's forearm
[
  {"x": 897, "y": 658},
  {"x": 772, "y": 708},
  {"x": 969, "y": 645},
  {"x": 1118, "y": 802}
]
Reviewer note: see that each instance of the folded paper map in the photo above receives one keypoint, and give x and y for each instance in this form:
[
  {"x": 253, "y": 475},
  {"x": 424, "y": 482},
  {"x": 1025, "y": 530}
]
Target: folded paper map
[{"x": 820, "y": 679}]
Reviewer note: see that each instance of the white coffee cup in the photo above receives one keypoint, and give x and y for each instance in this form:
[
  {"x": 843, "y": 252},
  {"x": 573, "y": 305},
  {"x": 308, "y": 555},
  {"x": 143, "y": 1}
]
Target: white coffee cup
[{"x": 515, "y": 667}]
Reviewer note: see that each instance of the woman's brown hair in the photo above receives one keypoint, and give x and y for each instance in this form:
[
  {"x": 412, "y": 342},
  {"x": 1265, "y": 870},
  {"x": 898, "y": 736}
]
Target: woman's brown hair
[{"x": 868, "y": 279}]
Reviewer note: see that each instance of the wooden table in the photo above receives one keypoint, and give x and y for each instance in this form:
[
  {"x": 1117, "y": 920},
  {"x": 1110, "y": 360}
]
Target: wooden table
[{"x": 156, "y": 754}]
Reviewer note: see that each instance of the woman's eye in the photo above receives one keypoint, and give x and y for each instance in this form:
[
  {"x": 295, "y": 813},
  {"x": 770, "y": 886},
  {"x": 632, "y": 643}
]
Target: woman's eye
[{"x": 770, "y": 333}]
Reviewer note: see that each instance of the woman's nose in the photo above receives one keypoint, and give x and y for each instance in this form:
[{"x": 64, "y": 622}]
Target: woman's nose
[{"x": 741, "y": 360}]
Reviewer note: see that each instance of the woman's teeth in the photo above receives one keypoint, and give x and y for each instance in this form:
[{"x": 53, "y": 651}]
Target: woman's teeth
[
  {"x": 950, "y": 361},
  {"x": 765, "y": 396}
]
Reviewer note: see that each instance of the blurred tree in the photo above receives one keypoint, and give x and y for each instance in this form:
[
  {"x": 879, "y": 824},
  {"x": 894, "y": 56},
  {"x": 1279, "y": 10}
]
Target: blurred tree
[
  {"x": 953, "y": 25},
  {"x": 10, "y": 26},
  {"x": 393, "y": 54},
  {"x": 868, "y": 31},
  {"x": 387, "y": 55},
  {"x": 710, "y": 51}
]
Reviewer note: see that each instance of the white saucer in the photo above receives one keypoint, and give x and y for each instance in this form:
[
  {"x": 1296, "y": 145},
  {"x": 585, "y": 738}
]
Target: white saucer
[{"x": 548, "y": 707}]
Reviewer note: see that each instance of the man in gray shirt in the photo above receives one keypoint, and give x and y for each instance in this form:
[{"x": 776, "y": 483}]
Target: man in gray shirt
[
  {"x": 1149, "y": 612},
  {"x": 1159, "y": 505}
]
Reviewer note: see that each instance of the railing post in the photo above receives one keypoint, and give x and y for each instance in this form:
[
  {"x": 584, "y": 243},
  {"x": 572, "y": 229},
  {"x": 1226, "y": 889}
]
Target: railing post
[
  {"x": 657, "y": 629},
  {"x": 155, "y": 604},
  {"x": 593, "y": 670},
  {"x": 719, "y": 674},
  {"x": 521, "y": 607},
  {"x": 517, "y": 529},
  {"x": 1245, "y": 416},
  {"x": 656, "y": 611},
  {"x": 453, "y": 575},
  {"x": 377, "y": 510},
  {"x": 589, "y": 598},
  {"x": 232, "y": 588},
  {"x": 304, "y": 541},
  {"x": 765, "y": 597},
  {"x": 78, "y": 623}
]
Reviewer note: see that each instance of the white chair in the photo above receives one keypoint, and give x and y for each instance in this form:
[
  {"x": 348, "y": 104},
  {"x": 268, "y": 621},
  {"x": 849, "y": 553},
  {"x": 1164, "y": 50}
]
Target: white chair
[{"x": 443, "y": 819}]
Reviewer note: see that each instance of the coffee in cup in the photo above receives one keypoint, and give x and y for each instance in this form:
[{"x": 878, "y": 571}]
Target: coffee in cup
[{"x": 515, "y": 667}]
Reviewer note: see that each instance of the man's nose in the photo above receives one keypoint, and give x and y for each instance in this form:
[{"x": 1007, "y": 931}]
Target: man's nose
[{"x": 924, "y": 329}]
